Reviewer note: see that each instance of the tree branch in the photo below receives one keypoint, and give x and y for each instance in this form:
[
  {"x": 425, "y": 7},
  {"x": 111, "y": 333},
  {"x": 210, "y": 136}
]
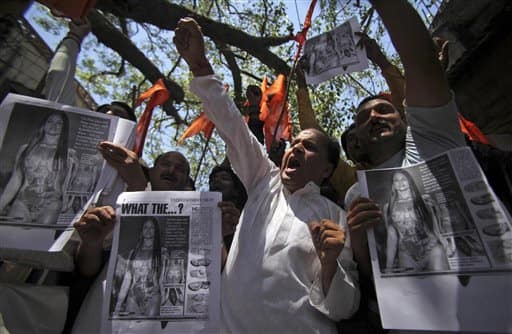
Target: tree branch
[
  {"x": 166, "y": 15},
  {"x": 235, "y": 72},
  {"x": 113, "y": 38}
]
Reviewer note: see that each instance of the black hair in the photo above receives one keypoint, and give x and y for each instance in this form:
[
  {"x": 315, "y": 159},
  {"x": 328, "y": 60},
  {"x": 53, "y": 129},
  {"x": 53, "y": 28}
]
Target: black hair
[
  {"x": 382, "y": 96},
  {"x": 374, "y": 97},
  {"x": 156, "y": 253},
  {"x": 344, "y": 139},
  {"x": 60, "y": 157},
  {"x": 333, "y": 149},
  {"x": 119, "y": 106},
  {"x": 239, "y": 187}
]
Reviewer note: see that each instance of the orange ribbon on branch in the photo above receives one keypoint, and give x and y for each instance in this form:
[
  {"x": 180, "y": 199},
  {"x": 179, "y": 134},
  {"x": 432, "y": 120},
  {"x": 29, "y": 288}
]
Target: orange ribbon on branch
[
  {"x": 157, "y": 95},
  {"x": 273, "y": 103},
  {"x": 301, "y": 35},
  {"x": 200, "y": 124},
  {"x": 76, "y": 9}
]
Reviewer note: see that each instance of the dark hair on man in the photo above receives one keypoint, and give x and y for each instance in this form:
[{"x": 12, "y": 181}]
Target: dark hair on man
[
  {"x": 333, "y": 149},
  {"x": 383, "y": 96},
  {"x": 118, "y": 106},
  {"x": 239, "y": 186},
  {"x": 344, "y": 139},
  {"x": 333, "y": 152}
]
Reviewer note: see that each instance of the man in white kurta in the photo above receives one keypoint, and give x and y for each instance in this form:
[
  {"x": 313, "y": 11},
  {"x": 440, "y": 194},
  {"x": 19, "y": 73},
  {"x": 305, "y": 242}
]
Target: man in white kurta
[{"x": 274, "y": 280}]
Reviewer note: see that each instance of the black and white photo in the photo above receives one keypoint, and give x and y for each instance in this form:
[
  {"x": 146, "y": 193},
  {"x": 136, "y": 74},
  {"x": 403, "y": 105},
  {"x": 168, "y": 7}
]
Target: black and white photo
[{"x": 333, "y": 53}]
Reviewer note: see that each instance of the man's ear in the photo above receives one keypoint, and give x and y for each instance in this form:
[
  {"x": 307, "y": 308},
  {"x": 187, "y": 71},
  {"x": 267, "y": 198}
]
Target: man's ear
[{"x": 328, "y": 170}]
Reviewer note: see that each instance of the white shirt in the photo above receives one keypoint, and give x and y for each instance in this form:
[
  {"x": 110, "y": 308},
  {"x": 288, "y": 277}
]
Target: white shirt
[
  {"x": 271, "y": 282},
  {"x": 60, "y": 85}
]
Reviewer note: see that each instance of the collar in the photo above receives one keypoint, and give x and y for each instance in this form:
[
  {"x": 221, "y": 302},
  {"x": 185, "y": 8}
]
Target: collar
[
  {"x": 395, "y": 161},
  {"x": 310, "y": 188}
]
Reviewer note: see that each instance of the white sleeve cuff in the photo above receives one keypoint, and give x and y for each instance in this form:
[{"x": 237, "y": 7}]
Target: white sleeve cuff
[{"x": 342, "y": 299}]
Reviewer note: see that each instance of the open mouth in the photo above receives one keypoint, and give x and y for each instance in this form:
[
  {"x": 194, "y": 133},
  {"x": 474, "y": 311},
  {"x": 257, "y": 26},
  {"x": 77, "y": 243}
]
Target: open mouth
[
  {"x": 380, "y": 127},
  {"x": 293, "y": 164},
  {"x": 168, "y": 177}
]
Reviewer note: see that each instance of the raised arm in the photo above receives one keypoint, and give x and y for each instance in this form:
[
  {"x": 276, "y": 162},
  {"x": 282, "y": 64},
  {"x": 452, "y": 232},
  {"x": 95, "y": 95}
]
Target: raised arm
[
  {"x": 426, "y": 84},
  {"x": 247, "y": 156},
  {"x": 394, "y": 78},
  {"x": 306, "y": 114},
  {"x": 59, "y": 84}
]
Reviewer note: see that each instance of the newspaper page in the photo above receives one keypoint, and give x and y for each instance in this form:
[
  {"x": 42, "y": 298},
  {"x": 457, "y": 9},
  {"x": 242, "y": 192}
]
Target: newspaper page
[
  {"x": 50, "y": 168},
  {"x": 442, "y": 257},
  {"x": 164, "y": 270},
  {"x": 334, "y": 53}
]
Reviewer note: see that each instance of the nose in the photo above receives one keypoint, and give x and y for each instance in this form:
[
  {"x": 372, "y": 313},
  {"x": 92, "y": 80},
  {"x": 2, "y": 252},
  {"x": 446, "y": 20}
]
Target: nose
[
  {"x": 298, "y": 147},
  {"x": 374, "y": 113}
]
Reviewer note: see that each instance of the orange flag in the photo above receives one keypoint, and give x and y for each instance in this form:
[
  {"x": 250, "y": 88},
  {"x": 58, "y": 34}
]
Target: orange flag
[
  {"x": 202, "y": 123},
  {"x": 272, "y": 101},
  {"x": 76, "y": 9},
  {"x": 301, "y": 35},
  {"x": 158, "y": 95},
  {"x": 472, "y": 131}
]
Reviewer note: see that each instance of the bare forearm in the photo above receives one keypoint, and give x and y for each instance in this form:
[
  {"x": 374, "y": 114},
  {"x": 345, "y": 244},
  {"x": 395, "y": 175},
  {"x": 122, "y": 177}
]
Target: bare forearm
[
  {"x": 89, "y": 259},
  {"x": 327, "y": 274},
  {"x": 202, "y": 68},
  {"x": 426, "y": 83}
]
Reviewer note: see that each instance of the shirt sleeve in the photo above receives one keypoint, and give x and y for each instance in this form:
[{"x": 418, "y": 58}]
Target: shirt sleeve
[
  {"x": 59, "y": 85},
  {"x": 248, "y": 158},
  {"x": 342, "y": 299},
  {"x": 432, "y": 131}
]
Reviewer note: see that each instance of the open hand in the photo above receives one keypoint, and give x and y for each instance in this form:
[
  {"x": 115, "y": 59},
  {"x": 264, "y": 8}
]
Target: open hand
[{"x": 126, "y": 162}]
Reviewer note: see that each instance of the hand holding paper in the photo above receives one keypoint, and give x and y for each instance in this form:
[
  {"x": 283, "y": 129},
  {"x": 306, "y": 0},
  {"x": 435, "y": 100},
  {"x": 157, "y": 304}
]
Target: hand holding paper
[
  {"x": 363, "y": 213},
  {"x": 95, "y": 225}
]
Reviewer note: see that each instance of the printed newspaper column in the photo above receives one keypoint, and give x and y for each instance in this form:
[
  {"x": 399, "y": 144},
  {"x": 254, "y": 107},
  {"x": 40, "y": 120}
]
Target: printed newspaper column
[
  {"x": 445, "y": 242},
  {"x": 165, "y": 263}
]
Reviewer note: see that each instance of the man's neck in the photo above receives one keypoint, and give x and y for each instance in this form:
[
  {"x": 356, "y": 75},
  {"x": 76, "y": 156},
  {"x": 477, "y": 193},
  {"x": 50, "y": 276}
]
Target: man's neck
[{"x": 382, "y": 153}]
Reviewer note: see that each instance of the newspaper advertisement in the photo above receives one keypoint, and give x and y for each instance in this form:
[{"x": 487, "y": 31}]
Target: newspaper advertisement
[
  {"x": 445, "y": 242},
  {"x": 165, "y": 262},
  {"x": 50, "y": 165},
  {"x": 49, "y": 170},
  {"x": 333, "y": 53}
]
